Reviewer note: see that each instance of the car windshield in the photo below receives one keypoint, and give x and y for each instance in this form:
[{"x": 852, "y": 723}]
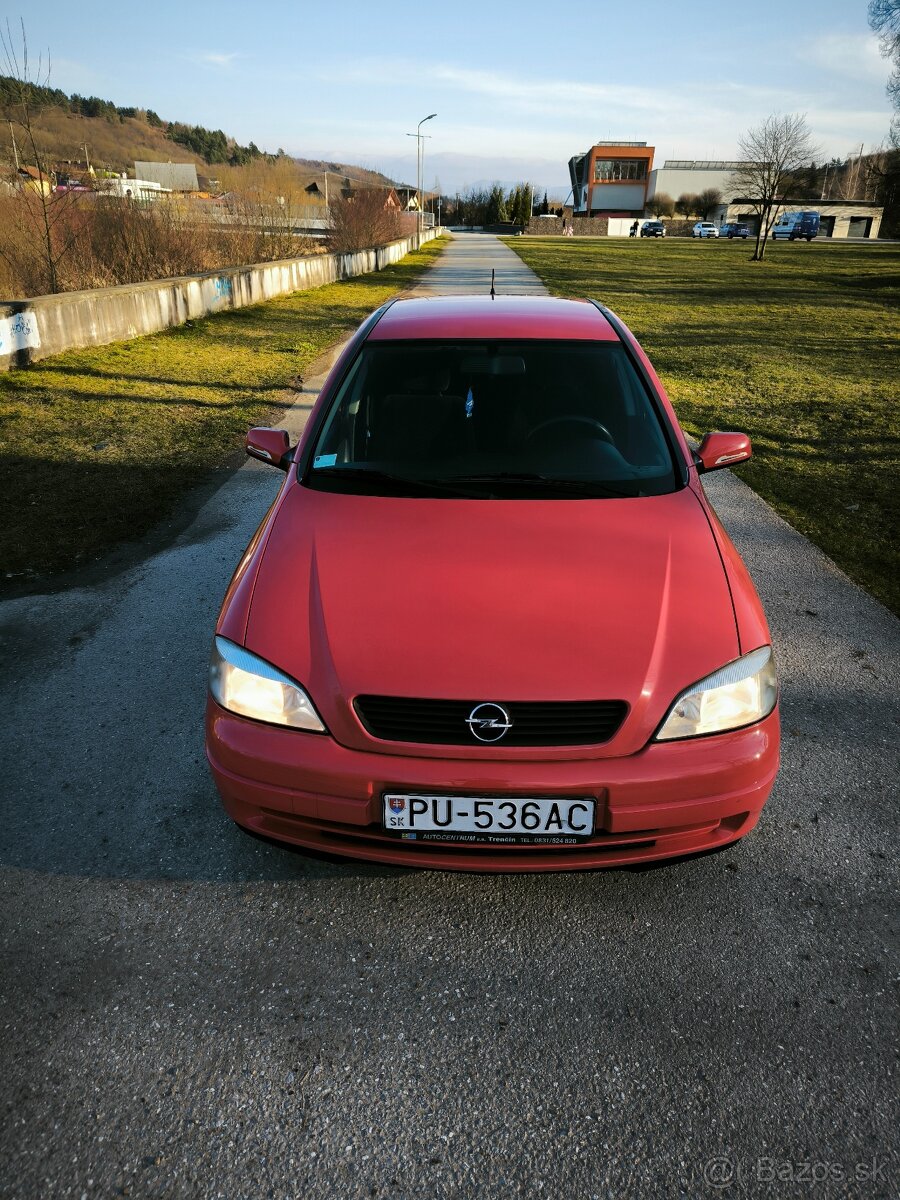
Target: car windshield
[{"x": 555, "y": 420}]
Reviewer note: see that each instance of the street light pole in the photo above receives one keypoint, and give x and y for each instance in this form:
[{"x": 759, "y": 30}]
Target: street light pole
[
  {"x": 420, "y": 168},
  {"x": 423, "y": 158}
]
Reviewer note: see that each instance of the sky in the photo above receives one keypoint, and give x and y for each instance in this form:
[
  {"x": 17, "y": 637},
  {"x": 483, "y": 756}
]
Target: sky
[{"x": 518, "y": 88}]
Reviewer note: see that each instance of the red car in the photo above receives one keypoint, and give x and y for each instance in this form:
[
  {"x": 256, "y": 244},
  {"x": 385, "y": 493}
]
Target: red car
[{"x": 490, "y": 621}]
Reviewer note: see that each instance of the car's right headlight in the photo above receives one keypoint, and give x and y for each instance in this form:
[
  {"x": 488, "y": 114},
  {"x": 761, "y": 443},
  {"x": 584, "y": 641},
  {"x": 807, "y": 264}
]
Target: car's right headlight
[
  {"x": 739, "y": 694},
  {"x": 251, "y": 687}
]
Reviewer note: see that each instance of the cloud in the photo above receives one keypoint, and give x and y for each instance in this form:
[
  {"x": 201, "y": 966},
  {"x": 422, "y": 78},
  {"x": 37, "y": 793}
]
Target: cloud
[
  {"x": 853, "y": 56},
  {"x": 537, "y": 123},
  {"x": 552, "y": 104},
  {"x": 214, "y": 58},
  {"x": 529, "y": 95}
]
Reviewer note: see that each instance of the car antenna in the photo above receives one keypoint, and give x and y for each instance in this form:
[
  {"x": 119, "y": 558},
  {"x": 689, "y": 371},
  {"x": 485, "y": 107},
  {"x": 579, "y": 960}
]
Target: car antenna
[{"x": 493, "y": 293}]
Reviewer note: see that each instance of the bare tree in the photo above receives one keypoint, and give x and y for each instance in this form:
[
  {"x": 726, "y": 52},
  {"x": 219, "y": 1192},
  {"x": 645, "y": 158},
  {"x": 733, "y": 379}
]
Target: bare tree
[
  {"x": 471, "y": 207},
  {"x": 268, "y": 196},
  {"x": 709, "y": 200},
  {"x": 882, "y": 183},
  {"x": 687, "y": 205},
  {"x": 46, "y": 211},
  {"x": 884, "y": 18},
  {"x": 661, "y": 205},
  {"x": 362, "y": 221},
  {"x": 773, "y": 153}
]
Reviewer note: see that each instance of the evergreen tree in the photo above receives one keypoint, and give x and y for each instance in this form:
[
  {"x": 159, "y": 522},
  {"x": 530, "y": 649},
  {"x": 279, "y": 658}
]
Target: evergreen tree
[{"x": 496, "y": 206}]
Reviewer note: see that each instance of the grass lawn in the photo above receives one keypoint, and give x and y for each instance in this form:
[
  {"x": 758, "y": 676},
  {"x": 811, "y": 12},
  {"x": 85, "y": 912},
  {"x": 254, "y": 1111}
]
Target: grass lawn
[
  {"x": 97, "y": 446},
  {"x": 799, "y": 351}
]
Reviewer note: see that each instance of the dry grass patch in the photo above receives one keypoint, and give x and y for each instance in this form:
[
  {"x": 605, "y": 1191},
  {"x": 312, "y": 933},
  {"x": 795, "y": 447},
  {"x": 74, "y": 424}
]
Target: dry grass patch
[
  {"x": 97, "y": 446},
  {"x": 799, "y": 351}
]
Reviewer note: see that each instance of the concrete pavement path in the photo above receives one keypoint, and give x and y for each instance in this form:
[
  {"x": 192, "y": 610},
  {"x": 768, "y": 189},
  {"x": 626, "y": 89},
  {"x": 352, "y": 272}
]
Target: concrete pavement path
[
  {"x": 465, "y": 268},
  {"x": 187, "y": 1012}
]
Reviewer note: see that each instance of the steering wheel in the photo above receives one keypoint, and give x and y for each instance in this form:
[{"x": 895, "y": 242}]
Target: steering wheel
[{"x": 572, "y": 419}]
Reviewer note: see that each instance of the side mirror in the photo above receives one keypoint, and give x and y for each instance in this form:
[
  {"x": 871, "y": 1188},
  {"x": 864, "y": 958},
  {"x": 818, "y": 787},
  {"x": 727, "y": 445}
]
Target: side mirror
[
  {"x": 722, "y": 450},
  {"x": 271, "y": 445}
]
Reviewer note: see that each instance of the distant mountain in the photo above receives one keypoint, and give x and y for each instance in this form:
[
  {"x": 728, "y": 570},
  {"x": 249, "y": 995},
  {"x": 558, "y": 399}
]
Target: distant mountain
[
  {"x": 360, "y": 174},
  {"x": 465, "y": 172}
]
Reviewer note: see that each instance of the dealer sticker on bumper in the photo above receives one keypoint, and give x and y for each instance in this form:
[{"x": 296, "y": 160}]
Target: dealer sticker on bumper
[{"x": 552, "y": 820}]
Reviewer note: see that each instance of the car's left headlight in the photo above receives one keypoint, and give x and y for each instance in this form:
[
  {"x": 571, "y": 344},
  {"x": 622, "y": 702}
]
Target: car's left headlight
[
  {"x": 737, "y": 695},
  {"x": 251, "y": 687}
]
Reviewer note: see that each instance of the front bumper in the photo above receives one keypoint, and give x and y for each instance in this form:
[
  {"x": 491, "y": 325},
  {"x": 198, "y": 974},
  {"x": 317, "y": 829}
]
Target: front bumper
[{"x": 671, "y": 799}]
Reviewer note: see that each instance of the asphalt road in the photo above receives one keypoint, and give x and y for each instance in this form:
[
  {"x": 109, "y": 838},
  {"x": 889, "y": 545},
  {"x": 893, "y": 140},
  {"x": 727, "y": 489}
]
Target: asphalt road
[{"x": 188, "y": 1012}]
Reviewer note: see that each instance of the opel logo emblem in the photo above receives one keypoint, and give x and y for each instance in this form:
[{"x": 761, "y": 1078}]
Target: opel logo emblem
[{"x": 489, "y": 722}]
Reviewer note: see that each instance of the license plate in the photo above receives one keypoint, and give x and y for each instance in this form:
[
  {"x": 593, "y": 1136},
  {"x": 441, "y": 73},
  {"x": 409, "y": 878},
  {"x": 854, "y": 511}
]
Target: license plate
[{"x": 497, "y": 819}]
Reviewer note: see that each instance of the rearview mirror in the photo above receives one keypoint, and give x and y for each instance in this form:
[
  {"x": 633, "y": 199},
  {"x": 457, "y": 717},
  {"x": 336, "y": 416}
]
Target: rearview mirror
[
  {"x": 493, "y": 364},
  {"x": 723, "y": 450},
  {"x": 271, "y": 445}
]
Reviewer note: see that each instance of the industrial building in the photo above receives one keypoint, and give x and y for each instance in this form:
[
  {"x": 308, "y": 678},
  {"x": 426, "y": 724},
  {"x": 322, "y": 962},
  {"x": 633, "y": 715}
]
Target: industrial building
[
  {"x": 614, "y": 181},
  {"x": 680, "y": 177}
]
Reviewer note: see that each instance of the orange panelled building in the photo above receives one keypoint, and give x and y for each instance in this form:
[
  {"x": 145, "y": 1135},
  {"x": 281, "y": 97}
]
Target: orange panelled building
[{"x": 611, "y": 179}]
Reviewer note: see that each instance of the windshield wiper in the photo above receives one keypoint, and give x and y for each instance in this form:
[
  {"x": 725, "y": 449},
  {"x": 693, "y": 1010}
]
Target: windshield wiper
[
  {"x": 385, "y": 477},
  {"x": 587, "y": 487}
]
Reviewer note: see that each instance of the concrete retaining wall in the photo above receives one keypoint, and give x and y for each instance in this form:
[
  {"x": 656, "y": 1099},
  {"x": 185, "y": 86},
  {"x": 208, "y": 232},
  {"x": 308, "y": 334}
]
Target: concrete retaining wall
[{"x": 46, "y": 325}]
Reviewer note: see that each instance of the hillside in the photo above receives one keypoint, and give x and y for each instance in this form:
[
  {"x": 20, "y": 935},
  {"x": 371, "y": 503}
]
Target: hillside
[
  {"x": 114, "y": 145},
  {"x": 116, "y": 137}
]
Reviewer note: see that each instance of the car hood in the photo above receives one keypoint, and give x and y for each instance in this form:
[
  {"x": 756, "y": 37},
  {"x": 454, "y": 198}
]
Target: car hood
[{"x": 498, "y": 600}]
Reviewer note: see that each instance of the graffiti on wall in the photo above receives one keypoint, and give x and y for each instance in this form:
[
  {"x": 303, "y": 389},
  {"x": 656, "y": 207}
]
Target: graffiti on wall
[{"x": 18, "y": 332}]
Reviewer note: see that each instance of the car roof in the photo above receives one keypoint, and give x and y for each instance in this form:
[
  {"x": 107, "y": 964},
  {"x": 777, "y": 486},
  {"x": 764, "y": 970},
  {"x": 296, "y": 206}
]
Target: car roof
[{"x": 508, "y": 317}]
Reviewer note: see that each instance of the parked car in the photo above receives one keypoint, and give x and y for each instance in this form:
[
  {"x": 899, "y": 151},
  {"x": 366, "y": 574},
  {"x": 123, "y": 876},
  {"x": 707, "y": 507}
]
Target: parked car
[
  {"x": 735, "y": 231},
  {"x": 705, "y": 229},
  {"x": 653, "y": 229},
  {"x": 491, "y": 621},
  {"x": 796, "y": 225}
]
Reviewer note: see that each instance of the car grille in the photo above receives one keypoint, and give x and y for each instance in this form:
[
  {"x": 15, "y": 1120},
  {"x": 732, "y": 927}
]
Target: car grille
[{"x": 534, "y": 723}]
